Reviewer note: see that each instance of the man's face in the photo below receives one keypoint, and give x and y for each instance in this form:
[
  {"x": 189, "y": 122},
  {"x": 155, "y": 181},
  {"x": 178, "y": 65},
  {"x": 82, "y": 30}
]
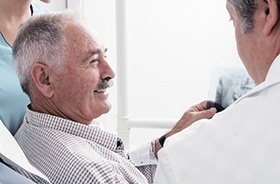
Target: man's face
[{"x": 77, "y": 94}]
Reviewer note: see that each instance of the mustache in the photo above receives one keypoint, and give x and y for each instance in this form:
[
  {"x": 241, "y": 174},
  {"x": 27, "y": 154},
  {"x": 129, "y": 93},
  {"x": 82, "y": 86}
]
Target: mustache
[{"x": 104, "y": 84}]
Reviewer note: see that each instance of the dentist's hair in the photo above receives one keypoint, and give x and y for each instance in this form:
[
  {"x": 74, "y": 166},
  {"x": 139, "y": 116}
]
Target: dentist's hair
[{"x": 245, "y": 10}]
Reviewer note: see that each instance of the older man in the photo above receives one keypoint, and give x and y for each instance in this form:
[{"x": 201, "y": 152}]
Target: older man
[
  {"x": 240, "y": 144},
  {"x": 63, "y": 69}
]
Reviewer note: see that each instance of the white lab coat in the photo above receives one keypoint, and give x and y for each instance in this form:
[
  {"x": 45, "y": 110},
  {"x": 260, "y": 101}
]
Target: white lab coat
[{"x": 239, "y": 145}]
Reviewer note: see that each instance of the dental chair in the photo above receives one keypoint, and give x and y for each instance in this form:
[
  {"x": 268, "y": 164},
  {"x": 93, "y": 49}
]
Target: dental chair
[{"x": 12, "y": 158}]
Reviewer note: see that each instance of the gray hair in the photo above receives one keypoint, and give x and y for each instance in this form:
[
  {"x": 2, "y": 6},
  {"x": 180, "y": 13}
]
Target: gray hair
[
  {"x": 41, "y": 39},
  {"x": 245, "y": 10}
]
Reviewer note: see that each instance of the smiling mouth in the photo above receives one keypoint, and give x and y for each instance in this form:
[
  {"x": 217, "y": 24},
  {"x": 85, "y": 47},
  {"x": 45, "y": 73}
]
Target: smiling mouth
[
  {"x": 104, "y": 86},
  {"x": 100, "y": 91}
]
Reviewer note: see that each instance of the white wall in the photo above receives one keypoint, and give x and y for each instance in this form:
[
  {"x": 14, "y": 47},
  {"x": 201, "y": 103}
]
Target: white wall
[
  {"x": 55, "y": 5},
  {"x": 172, "y": 46}
]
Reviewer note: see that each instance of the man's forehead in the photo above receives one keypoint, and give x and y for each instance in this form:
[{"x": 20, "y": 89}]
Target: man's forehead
[
  {"x": 229, "y": 6},
  {"x": 82, "y": 30},
  {"x": 80, "y": 34}
]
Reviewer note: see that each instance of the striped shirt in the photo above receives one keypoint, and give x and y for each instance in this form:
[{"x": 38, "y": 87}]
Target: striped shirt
[{"x": 71, "y": 152}]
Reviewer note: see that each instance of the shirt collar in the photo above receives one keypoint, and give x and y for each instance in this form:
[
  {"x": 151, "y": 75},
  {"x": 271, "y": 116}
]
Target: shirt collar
[
  {"x": 90, "y": 132},
  {"x": 272, "y": 78},
  {"x": 274, "y": 70}
]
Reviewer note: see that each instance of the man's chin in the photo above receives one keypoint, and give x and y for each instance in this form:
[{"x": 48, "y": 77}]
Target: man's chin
[
  {"x": 105, "y": 108},
  {"x": 109, "y": 106}
]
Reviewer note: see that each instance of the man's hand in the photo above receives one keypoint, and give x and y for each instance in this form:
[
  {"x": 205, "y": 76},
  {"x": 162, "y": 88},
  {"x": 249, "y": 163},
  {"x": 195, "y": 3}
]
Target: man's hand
[{"x": 196, "y": 112}]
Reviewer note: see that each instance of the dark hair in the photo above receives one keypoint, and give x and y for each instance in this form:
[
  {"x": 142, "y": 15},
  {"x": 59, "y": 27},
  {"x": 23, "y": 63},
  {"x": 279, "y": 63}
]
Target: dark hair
[{"x": 245, "y": 10}]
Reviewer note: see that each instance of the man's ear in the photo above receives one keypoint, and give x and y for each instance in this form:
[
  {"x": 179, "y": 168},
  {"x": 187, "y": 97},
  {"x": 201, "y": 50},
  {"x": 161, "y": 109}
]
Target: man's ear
[
  {"x": 272, "y": 16},
  {"x": 40, "y": 74}
]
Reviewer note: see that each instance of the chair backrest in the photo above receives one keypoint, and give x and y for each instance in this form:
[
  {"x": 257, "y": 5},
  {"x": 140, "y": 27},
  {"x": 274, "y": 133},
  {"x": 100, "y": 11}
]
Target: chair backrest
[
  {"x": 7, "y": 175},
  {"x": 12, "y": 155}
]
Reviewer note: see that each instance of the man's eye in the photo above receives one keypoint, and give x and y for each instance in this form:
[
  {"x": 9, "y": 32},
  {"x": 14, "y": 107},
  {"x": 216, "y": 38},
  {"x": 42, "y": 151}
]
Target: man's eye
[{"x": 94, "y": 61}]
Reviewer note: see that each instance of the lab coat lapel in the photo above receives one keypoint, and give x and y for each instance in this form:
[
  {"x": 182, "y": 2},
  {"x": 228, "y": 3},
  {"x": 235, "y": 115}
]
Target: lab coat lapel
[{"x": 271, "y": 79}]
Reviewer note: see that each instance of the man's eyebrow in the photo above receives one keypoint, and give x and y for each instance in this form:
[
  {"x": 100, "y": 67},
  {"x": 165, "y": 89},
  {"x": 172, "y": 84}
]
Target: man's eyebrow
[
  {"x": 92, "y": 53},
  {"x": 97, "y": 51},
  {"x": 89, "y": 54}
]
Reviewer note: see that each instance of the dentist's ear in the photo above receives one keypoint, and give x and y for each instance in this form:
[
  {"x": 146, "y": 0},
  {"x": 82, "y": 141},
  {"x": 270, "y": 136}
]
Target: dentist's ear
[
  {"x": 40, "y": 74},
  {"x": 272, "y": 16}
]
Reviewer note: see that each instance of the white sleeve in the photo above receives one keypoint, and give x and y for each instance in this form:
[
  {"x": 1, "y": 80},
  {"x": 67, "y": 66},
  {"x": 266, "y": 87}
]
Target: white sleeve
[
  {"x": 143, "y": 155},
  {"x": 164, "y": 173}
]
